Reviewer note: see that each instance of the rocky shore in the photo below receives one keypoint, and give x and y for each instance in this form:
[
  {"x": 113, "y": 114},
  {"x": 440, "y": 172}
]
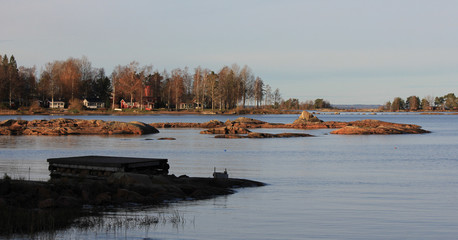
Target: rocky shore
[
  {"x": 239, "y": 126},
  {"x": 118, "y": 190},
  {"x": 24, "y": 202},
  {"x": 62, "y": 126}
]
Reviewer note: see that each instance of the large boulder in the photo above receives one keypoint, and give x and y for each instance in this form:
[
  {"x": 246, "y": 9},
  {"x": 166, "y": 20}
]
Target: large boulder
[
  {"x": 144, "y": 128},
  {"x": 305, "y": 118}
]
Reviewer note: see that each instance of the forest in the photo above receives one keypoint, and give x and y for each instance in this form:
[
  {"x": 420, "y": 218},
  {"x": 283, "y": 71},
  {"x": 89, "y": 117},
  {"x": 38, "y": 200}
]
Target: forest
[
  {"x": 75, "y": 79},
  {"x": 142, "y": 86},
  {"x": 413, "y": 103}
]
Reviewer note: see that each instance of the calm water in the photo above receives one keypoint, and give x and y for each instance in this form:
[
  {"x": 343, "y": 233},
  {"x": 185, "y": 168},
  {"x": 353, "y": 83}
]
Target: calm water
[{"x": 325, "y": 187}]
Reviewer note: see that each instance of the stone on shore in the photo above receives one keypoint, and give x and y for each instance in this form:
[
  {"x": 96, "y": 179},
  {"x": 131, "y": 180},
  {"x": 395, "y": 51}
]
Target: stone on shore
[{"x": 305, "y": 118}]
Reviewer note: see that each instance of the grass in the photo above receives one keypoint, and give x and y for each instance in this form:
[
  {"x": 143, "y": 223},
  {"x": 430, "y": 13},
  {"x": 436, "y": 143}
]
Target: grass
[
  {"x": 117, "y": 223},
  {"x": 14, "y": 220}
]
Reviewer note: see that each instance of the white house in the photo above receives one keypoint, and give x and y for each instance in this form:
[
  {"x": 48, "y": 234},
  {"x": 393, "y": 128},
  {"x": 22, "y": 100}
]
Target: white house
[
  {"x": 93, "y": 103},
  {"x": 56, "y": 104}
]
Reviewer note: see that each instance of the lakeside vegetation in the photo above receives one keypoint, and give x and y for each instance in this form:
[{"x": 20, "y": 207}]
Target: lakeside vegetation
[
  {"x": 428, "y": 103},
  {"x": 231, "y": 90},
  {"x": 141, "y": 87}
]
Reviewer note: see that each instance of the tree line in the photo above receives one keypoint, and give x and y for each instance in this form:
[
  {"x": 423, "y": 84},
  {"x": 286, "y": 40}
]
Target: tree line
[
  {"x": 75, "y": 79},
  {"x": 413, "y": 103},
  {"x": 17, "y": 84},
  {"x": 295, "y": 104}
]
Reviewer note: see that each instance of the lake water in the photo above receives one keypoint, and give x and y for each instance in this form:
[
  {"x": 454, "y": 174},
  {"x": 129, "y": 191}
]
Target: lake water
[{"x": 322, "y": 187}]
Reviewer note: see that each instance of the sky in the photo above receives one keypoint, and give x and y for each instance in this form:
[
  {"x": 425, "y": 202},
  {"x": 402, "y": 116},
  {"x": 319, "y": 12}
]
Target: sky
[{"x": 345, "y": 51}]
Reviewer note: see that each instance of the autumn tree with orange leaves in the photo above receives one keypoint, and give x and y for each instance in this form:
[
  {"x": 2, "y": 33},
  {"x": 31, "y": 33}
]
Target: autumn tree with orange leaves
[{"x": 129, "y": 81}]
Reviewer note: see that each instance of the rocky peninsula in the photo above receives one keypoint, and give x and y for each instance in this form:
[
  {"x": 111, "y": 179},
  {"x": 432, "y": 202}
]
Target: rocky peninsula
[{"x": 32, "y": 206}]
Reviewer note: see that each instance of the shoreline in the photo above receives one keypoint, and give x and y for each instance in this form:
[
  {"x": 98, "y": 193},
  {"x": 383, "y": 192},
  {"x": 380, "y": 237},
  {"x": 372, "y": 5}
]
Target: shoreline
[
  {"x": 66, "y": 112},
  {"x": 30, "y": 207},
  {"x": 67, "y": 126}
]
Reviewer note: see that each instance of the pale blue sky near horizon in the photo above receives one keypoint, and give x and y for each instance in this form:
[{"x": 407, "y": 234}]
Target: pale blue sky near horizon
[{"x": 345, "y": 51}]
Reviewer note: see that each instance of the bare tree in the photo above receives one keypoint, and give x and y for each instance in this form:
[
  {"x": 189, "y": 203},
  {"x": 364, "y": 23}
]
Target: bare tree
[
  {"x": 246, "y": 81},
  {"x": 204, "y": 83},
  {"x": 213, "y": 82},
  {"x": 277, "y": 98},
  {"x": 258, "y": 91},
  {"x": 87, "y": 77},
  {"x": 49, "y": 86},
  {"x": 268, "y": 95},
  {"x": 127, "y": 80},
  {"x": 198, "y": 84},
  {"x": 177, "y": 82}
]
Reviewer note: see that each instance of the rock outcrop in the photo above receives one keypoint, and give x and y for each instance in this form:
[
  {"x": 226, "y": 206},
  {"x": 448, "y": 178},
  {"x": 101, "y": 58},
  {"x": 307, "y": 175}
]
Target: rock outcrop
[
  {"x": 62, "y": 126},
  {"x": 305, "y": 118},
  {"x": 308, "y": 121},
  {"x": 209, "y": 124},
  {"x": 241, "y": 122},
  {"x": 226, "y": 130},
  {"x": 264, "y": 135},
  {"x": 369, "y": 126}
]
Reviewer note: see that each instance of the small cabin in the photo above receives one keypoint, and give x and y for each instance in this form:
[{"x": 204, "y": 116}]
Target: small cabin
[
  {"x": 186, "y": 105},
  {"x": 56, "y": 104},
  {"x": 93, "y": 103},
  {"x": 124, "y": 104}
]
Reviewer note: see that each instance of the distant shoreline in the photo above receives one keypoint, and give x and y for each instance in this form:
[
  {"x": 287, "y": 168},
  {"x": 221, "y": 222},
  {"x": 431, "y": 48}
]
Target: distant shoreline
[{"x": 131, "y": 112}]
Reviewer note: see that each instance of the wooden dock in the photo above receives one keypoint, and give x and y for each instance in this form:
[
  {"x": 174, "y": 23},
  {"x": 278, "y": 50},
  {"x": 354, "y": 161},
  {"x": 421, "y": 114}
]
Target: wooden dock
[{"x": 104, "y": 166}]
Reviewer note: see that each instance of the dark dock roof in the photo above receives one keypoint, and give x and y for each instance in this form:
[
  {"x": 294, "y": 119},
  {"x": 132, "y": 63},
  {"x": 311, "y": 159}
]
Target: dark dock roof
[
  {"x": 104, "y": 166},
  {"x": 105, "y": 161}
]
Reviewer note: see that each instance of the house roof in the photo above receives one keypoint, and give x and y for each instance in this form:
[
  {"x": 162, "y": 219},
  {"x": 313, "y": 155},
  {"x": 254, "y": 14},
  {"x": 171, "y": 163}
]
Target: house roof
[{"x": 93, "y": 99}]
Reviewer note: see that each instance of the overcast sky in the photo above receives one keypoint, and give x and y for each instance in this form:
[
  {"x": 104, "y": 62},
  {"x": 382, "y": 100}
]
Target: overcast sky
[{"x": 345, "y": 51}]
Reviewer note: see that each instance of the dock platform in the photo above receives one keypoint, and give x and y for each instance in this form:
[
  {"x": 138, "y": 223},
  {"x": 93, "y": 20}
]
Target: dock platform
[{"x": 104, "y": 166}]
